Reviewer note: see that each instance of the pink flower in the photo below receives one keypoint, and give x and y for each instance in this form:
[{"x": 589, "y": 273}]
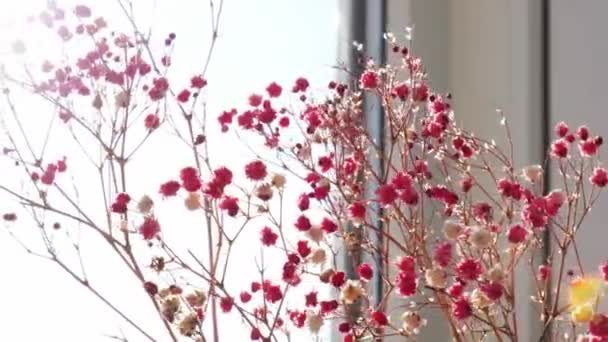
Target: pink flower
[
  {"x": 604, "y": 270},
  {"x": 169, "y": 188},
  {"x": 190, "y": 180},
  {"x": 491, "y": 290},
  {"x": 357, "y": 211},
  {"x": 183, "y": 96},
  {"x": 369, "y": 80},
  {"x": 268, "y": 237},
  {"x": 544, "y": 272},
  {"x": 338, "y": 279},
  {"x": 223, "y": 175},
  {"x": 82, "y": 11},
  {"x": 401, "y": 91},
  {"x": 443, "y": 254},
  {"x": 456, "y": 290},
  {"x": 461, "y": 309},
  {"x": 300, "y": 85},
  {"x": 588, "y": 148},
  {"x": 583, "y": 133},
  {"x": 598, "y": 326},
  {"x": 406, "y": 284},
  {"x": 327, "y": 306},
  {"x": 274, "y": 89},
  {"x": 255, "y": 100},
  {"x": 273, "y": 293},
  {"x": 150, "y": 228},
  {"x": 386, "y": 194},
  {"x": 245, "y": 297},
  {"x": 561, "y": 129},
  {"x": 365, "y": 271},
  {"x": 469, "y": 269},
  {"x": 559, "y": 149},
  {"x": 517, "y": 234},
  {"x": 256, "y": 170},
  {"x": 152, "y": 122},
  {"x": 599, "y": 177}
]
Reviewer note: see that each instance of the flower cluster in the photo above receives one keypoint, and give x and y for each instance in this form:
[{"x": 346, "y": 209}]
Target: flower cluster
[{"x": 442, "y": 225}]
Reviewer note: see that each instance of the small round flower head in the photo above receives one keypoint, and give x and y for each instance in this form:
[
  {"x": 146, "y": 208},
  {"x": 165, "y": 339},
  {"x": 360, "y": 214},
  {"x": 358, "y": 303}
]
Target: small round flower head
[
  {"x": 452, "y": 229},
  {"x": 584, "y": 290},
  {"x": 188, "y": 324},
  {"x": 318, "y": 256},
  {"x": 533, "y": 173},
  {"x": 264, "y": 192},
  {"x": 196, "y": 298},
  {"x": 480, "y": 237},
  {"x": 412, "y": 322},
  {"x": 193, "y": 201},
  {"x": 599, "y": 177},
  {"x": 351, "y": 291},
  {"x": 315, "y": 233},
  {"x": 122, "y": 99},
  {"x": 436, "y": 278},
  {"x": 479, "y": 299},
  {"x": 365, "y": 271},
  {"x": 314, "y": 321},
  {"x": 145, "y": 204},
  {"x": 517, "y": 234},
  {"x": 598, "y": 326},
  {"x": 495, "y": 274},
  {"x": 278, "y": 181}
]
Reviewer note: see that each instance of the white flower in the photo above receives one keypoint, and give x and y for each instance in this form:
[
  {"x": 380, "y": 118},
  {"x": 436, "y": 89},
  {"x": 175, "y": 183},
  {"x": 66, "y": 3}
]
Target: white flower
[
  {"x": 351, "y": 291},
  {"x": 145, "y": 204},
  {"x": 452, "y": 229},
  {"x": 193, "y": 201},
  {"x": 480, "y": 237},
  {"x": 412, "y": 321},
  {"x": 479, "y": 300},
  {"x": 315, "y": 234},
  {"x": 436, "y": 278},
  {"x": 314, "y": 321},
  {"x": 496, "y": 274},
  {"x": 278, "y": 181},
  {"x": 318, "y": 256},
  {"x": 188, "y": 324},
  {"x": 533, "y": 173},
  {"x": 122, "y": 99}
]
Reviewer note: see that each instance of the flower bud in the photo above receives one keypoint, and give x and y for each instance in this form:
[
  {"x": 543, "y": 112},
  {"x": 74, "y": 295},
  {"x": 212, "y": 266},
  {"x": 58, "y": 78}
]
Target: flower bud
[
  {"x": 452, "y": 229},
  {"x": 533, "y": 173},
  {"x": 412, "y": 322},
  {"x": 436, "y": 278}
]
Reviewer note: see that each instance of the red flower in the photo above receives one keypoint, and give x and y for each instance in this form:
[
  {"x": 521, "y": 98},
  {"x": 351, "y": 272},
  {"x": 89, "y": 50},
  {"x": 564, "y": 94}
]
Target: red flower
[
  {"x": 406, "y": 283},
  {"x": 588, "y": 148},
  {"x": 268, "y": 237},
  {"x": 223, "y": 175},
  {"x": 599, "y": 177},
  {"x": 561, "y": 129},
  {"x": 169, "y": 188},
  {"x": 190, "y": 180},
  {"x": 311, "y": 299},
  {"x": 274, "y": 90},
  {"x": 357, "y": 211},
  {"x": 152, "y": 122},
  {"x": 256, "y": 170},
  {"x": 401, "y": 91},
  {"x": 469, "y": 269},
  {"x": 328, "y": 226},
  {"x": 284, "y": 121},
  {"x": 327, "y": 306},
  {"x": 583, "y": 133},
  {"x": 226, "y": 304},
  {"x": 198, "y": 82},
  {"x": 149, "y": 228},
  {"x": 369, "y": 80},
  {"x": 302, "y": 223},
  {"x": 406, "y": 264},
  {"x": 379, "y": 318},
  {"x": 230, "y": 205},
  {"x": 461, "y": 309},
  {"x": 303, "y": 249},
  {"x": 245, "y": 296},
  {"x": 255, "y": 100},
  {"x": 303, "y": 202},
  {"x": 559, "y": 149},
  {"x": 599, "y": 326},
  {"x": 183, "y": 96},
  {"x": 255, "y": 334},
  {"x": 82, "y": 11},
  {"x": 365, "y": 271},
  {"x": 604, "y": 270},
  {"x": 492, "y": 290},
  {"x": 255, "y": 286},
  {"x": 517, "y": 234},
  {"x": 301, "y": 84},
  {"x": 151, "y": 288},
  {"x": 338, "y": 279},
  {"x": 61, "y": 165},
  {"x": 544, "y": 272},
  {"x": 273, "y": 293},
  {"x": 456, "y": 290},
  {"x": 386, "y": 194}
]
